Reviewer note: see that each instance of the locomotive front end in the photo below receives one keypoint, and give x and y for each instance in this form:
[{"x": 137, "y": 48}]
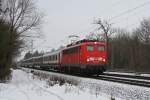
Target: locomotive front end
[{"x": 94, "y": 57}]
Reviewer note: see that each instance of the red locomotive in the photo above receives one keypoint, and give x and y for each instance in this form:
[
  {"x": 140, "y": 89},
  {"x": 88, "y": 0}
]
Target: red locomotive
[{"x": 85, "y": 56}]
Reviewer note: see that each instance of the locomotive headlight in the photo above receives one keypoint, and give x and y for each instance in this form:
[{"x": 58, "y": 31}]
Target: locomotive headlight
[
  {"x": 90, "y": 59},
  {"x": 100, "y": 59},
  {"x": 104, "y": 60},
  {"x": 87, "y": 60}
]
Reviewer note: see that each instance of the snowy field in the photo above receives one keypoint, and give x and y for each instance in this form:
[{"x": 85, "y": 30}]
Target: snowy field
[{"x": 26, "y": 86}]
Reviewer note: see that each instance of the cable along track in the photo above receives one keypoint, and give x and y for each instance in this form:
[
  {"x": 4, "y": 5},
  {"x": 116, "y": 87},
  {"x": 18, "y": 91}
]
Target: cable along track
[{"x": 127, "y": 79}]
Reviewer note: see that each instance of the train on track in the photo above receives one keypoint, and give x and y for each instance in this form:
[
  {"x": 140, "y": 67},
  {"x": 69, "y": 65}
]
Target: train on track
[{"x": 86, "y": 57}]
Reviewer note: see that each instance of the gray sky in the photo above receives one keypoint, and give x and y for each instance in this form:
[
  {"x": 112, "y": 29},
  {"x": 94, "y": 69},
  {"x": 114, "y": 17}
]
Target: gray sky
[{"x": 66, "y": 17}]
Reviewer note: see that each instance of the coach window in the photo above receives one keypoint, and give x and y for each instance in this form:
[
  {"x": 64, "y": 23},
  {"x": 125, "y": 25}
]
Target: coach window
[
  {"x": 90, "y": 48},
  {"x": 52, "y": 57},
  {"x": 100, "y": 48},
  {"x": 49, "y": 58},
  {"x": 55, "y": 57}
]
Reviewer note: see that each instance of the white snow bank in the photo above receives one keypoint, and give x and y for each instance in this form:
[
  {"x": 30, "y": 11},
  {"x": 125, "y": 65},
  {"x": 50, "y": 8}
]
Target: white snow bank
[
  {"x": 114, "y": 89},
  {"x": 24, "y": 87}
]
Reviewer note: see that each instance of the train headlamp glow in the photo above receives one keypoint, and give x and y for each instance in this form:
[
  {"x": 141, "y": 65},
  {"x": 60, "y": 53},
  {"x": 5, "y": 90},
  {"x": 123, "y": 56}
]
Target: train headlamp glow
[
  {"x": 96, "y": 59},
  {"x": 90, "y": 59},
  {"x": 104, "y": 60},
  {"x": 87, "y": 60},
  {"x": 100, "y": 59}
]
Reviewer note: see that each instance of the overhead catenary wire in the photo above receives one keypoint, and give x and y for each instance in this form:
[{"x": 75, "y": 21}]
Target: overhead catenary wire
[
  {"x": 90, "y": 29},
  {"x": 129, "y": 10},
  {"x": 135, "y": 24},
  {"x": 125, "y": 12},
  {"x": 111, "y": 6}
]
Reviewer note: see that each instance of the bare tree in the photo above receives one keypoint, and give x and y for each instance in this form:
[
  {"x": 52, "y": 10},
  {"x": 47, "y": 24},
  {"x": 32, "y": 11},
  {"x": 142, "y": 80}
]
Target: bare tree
[
  {"x": 143, "y": 34},
  {"x": 23, "y": 19},
  {"x": 144, "y": 31},
  {"x": 95, "y": 36},
  {"x": 22, "y": 15},
  {"x": 105, "y": 28}
]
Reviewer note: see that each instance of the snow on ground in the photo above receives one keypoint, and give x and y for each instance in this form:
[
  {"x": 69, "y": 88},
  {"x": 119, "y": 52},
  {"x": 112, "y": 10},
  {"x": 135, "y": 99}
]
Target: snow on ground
[
  {"x": 24, "y": 87},
  {"x": 123, "y": 91},
  {"x": 100, "y": 87}
]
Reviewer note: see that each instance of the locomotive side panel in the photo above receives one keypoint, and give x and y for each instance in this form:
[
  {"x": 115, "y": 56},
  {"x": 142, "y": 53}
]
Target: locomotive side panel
[{"x": 71, "y": 56}]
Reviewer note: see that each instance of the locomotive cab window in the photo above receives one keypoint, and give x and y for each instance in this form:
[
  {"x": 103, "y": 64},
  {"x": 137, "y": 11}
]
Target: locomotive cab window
[
  {"x": 90, "y": 48},
  {"x": 100, "y": 48}
]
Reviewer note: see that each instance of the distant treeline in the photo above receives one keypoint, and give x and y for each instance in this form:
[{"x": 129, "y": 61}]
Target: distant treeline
[
  {"x": 131, "y": 50},
  {"x": 34, "y": 54}
]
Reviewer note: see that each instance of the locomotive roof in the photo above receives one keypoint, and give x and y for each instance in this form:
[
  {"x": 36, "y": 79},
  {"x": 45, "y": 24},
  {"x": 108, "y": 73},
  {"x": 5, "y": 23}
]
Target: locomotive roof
[{"x": 83, "y": 42}]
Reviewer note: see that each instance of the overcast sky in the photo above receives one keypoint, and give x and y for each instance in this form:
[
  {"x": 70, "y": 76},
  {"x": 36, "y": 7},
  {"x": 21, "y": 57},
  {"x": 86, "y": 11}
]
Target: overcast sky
[{"x": 66, "y": 17}]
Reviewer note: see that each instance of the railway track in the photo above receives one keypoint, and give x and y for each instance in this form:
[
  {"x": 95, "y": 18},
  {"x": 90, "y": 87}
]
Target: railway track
[
  {"x": 127, "y": 79},
  {"x": 119, "y": 78}
]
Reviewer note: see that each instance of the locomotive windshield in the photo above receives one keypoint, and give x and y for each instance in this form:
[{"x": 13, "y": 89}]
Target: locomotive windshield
[
  {"x": 90, "y": 48},
  {"x": 100, "y": 48}
]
